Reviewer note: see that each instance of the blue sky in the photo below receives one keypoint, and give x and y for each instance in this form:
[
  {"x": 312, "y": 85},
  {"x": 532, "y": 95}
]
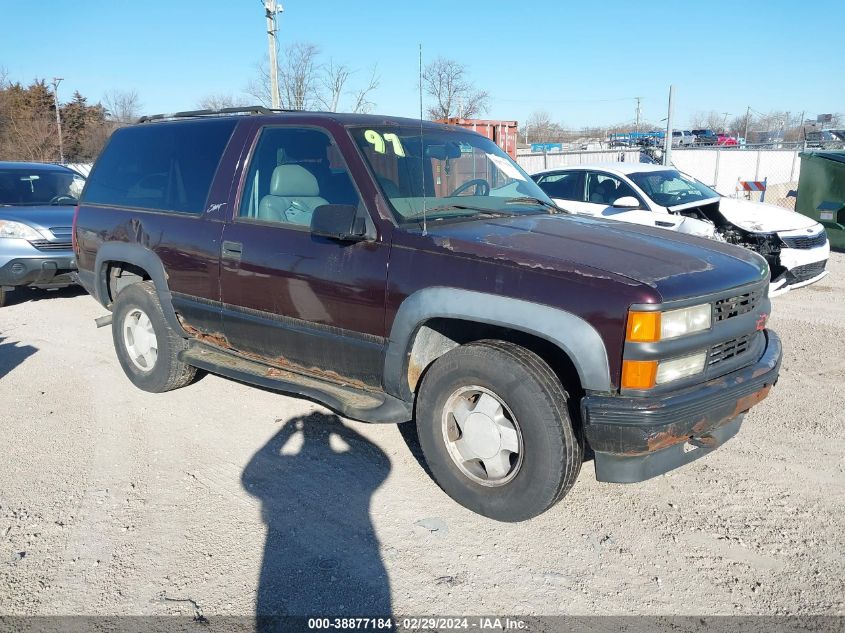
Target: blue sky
[{"x": 584, "y": 63}]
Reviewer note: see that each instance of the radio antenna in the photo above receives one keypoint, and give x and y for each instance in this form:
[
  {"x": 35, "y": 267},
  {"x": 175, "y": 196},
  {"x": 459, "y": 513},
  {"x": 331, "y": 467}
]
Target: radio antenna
[{"x": 422, "y": 150}]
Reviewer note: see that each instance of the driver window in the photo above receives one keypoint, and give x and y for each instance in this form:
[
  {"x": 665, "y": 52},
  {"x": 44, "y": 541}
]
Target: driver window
[
  {"x": 606, "y": 189},
  {"x": 292, "y": 172}
]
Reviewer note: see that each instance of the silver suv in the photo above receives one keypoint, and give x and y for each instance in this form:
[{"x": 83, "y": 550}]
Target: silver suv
[{"x": 37, "y": 203}]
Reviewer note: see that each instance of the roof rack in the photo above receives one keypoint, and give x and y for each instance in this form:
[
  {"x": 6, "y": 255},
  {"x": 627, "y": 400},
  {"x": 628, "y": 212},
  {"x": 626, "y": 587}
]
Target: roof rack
[{"x": 199, "y": 113}]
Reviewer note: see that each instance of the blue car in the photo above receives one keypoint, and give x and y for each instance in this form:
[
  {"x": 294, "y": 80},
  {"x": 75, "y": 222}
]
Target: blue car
[{"x": 37, "y": 203}]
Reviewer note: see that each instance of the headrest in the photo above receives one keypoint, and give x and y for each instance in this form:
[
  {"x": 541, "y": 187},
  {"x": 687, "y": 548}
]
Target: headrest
[{"x": 292, "y": 181}]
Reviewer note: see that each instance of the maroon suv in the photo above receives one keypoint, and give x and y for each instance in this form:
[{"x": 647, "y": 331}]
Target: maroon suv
[{"x": 398, "y": 270}]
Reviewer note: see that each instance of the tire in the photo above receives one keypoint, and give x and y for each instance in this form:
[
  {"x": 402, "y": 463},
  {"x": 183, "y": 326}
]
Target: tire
[
  {"x": 158, "y": 372},
  {"x": 533, "y": 404}
]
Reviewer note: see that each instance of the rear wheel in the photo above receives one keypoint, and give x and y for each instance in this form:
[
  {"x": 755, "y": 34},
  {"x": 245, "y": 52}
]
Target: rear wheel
[
  {"x": 146, "y": 346},
  {"x": 494, "y": 427}
]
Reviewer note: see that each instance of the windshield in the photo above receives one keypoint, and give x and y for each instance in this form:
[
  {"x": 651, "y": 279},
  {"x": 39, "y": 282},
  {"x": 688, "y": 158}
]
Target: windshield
[
  {"x": 30, "y": 187},
  {"x": 670, "y": 187},
  {"x": 453, "y": 173}
]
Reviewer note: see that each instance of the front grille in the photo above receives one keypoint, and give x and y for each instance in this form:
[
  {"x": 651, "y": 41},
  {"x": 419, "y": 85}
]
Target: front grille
[
  {"x": 734, "y": 306},
  {"x": 729, "y": 349},
  {"x": 810, "y": 241},
  {"x": 807, "y": 271},
  {"x": 46, "y": 245}
]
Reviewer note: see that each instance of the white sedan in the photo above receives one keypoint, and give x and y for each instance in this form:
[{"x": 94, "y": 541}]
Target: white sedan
[{"x": 795, "y": 246}]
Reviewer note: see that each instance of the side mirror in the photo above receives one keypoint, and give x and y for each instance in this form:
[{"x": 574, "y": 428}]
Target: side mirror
[
  {"x": 626, "y": 202},
  {"x": 338, "y": 222}
]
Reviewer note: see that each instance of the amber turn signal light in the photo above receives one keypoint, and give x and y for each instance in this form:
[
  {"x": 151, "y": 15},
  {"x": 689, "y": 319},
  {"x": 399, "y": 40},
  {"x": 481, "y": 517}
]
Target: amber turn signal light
[
  {"x": 643, "y": 327},
  {"x": 639, "y": 374}
]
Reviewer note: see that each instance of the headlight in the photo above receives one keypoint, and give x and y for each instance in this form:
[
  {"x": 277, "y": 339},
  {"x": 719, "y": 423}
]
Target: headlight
[
  {"x": 650, "y": 327},
  {"x": 669, "y": 370},
  {"x": 676, "y": 323},
  {"x": 645, "y": 374},
  {"x": 18, "y": 230}
]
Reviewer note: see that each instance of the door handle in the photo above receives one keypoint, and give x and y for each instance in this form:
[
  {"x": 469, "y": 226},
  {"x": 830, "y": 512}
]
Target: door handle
[{"x": 231, "y": 250}]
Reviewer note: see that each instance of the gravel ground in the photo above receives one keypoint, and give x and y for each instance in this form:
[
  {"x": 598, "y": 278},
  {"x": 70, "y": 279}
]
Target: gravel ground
[{"x": 220, "y": 498}]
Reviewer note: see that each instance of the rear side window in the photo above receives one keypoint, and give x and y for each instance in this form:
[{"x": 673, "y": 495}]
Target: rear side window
[
  {"x": 160, "y": 166},
  {"x": 562, "y": 186}
]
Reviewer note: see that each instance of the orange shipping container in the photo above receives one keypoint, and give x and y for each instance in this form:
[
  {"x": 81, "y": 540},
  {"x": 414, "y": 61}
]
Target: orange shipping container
[{"x": 502, "y": 133}]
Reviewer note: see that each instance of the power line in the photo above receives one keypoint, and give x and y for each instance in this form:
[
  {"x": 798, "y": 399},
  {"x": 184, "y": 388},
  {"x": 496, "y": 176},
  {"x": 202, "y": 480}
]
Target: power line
[{"x": 567, "y": 100}]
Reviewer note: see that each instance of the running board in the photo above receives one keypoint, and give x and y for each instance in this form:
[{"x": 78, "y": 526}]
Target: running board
[{"x": 357, "y": 404}]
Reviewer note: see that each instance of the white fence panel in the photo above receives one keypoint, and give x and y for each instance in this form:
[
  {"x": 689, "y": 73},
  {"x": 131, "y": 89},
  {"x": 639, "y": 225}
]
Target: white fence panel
[
  {"x": 533, "y": 163},
  {"x": 700, "y": 164}
]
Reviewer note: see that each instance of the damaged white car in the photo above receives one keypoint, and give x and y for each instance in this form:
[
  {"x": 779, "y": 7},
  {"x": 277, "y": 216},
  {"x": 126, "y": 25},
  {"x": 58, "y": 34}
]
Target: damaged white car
[{"x": 795, "y": 246}]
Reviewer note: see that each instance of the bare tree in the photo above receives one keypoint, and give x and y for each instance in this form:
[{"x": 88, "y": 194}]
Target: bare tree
[
  {"x": 32, "y": 136},
  {"x": 707, "y": 121},
  {"x": 738, "y": 125},
  {"x": 362, "y": 104},
  {"x": 454, "y": 95},
  {"x": 333, "y": 78},
  {"x": 539, "y": 128},
  {"x": 220, "y": 101},
  {"x": 122, "y": 107},
  {"x": 307, "y": 84},
  {"x": 298, "y": 78}
]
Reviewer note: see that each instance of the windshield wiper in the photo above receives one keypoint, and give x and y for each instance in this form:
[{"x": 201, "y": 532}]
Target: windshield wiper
[
  {"x": 532, "y": 200},
  {"x": 481, "y": 211}
]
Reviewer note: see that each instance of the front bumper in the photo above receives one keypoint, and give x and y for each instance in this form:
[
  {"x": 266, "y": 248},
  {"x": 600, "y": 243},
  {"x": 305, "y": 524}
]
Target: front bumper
[
  {"x": 636, "y": 438},
  {"x": 797, "y": 267},
  {"x": 53, "y": 270}
]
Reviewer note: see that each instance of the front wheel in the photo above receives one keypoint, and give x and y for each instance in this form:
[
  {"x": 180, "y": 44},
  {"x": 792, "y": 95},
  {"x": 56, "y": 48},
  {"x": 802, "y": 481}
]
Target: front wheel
[
  {"x": 494, "y": 426},
  {"x": 146, "y": 346}
]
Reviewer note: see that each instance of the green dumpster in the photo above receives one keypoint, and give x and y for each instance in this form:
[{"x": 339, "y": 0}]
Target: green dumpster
[{"x": 821, "y": 192}]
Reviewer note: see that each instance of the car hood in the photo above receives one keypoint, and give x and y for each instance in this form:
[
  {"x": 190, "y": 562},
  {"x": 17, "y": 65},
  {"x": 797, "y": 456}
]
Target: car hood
[
  {"x": 41, "y": 218},
  {"x": 759, "y": 217},
  {"x": 676, "y": 265}
]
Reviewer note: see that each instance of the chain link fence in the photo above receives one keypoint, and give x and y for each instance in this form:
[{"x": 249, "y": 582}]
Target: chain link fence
[{"x": 725, "y": 168}]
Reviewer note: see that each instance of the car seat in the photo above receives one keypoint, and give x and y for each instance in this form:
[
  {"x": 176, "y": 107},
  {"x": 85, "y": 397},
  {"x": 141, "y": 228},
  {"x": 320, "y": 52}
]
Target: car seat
[
  {"x": 604, "y": 192},
  {"x": 294, "y": 194}
]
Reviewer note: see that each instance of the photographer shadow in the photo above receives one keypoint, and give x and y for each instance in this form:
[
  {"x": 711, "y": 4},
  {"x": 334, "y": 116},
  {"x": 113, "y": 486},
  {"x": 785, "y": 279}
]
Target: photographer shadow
[{"x": 315, "y": 478}]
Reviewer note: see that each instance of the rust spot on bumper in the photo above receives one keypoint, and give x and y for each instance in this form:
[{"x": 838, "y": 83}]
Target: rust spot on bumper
[{"x": 746, "y": 402}]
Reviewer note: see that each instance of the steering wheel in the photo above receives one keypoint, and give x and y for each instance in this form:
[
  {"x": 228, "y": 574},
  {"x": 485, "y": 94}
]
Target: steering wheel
[
  {"x": 62, "y": 196},
  {"x": 482, "y": 187}
]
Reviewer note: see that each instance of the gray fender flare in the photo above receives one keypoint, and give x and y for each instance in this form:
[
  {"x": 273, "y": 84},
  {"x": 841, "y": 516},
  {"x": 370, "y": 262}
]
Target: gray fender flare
[
  {"x": 143, "y": 258},
  {"x": 571, "y": 333}
]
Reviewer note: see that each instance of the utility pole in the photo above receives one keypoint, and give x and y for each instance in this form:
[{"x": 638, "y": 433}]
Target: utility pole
[
  {"x": 667, "y": 142},
  {"x": 271, "y": 8},
  {"x": 725, "y": 122},
  {"x": 638, "y": 115},
  {"x": 747, "y": 117},
  {"x": 56, "y": 82}
]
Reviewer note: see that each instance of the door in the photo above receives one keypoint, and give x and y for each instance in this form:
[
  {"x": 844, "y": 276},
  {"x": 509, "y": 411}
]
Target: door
[
  {"x": 298, "y": 301},
  {"x": 602, "y": 190}
]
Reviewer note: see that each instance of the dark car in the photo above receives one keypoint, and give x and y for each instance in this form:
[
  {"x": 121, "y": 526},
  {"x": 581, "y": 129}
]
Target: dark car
[
  {"x": 705, "y": 137},
  {"x": 394, "y": 269},
  {"x": 36, "y": 213}
]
